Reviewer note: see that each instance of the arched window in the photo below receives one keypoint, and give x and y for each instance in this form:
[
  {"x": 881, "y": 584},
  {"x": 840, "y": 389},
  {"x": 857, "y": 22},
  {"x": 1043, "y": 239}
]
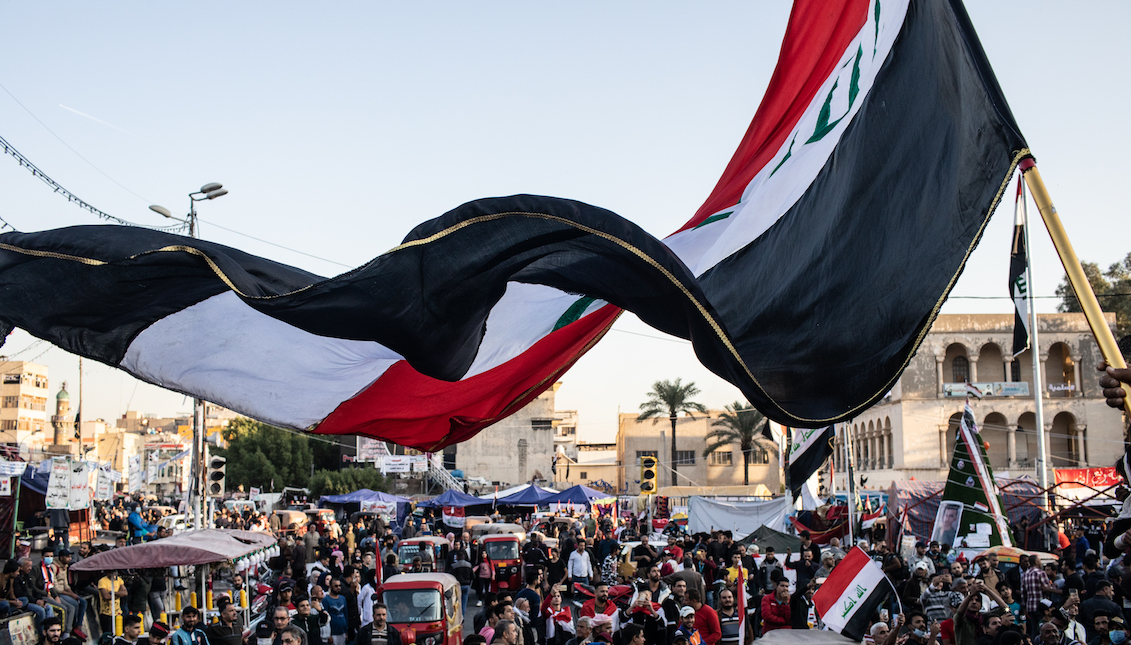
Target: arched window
[{"x": 960, "y": 369}]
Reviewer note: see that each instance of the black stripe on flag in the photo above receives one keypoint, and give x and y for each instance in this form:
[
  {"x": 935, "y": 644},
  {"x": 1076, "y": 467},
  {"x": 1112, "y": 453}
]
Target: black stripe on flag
[
  {"x": 92, "y": 289},
  {"x": 863, "y": 619},
  {"x": 855, "y": 271},
  {"x": 1018, "y": 278},
  {"x": 810, "y": 458}
]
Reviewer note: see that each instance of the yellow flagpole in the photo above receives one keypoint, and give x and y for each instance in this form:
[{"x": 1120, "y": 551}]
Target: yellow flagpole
[{"x": 1076, "y": 276}]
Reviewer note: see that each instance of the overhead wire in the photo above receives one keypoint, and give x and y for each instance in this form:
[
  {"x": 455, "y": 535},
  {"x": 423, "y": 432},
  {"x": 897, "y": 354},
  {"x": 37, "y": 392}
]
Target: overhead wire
[{"x": 77, "y": 153}]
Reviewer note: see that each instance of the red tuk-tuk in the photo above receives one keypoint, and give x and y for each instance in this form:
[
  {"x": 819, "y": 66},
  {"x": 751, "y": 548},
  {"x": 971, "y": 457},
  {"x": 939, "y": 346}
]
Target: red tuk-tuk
[
  {"x": 502, "y": 549},
  {"x": 435, "y": 546},
  {"x": 424, "y": 607}
]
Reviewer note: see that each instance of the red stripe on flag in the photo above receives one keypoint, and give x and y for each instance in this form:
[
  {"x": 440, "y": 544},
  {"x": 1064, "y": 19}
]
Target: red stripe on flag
[
  {"x": 839, "y": 578},
  {"x": 815, "y": 39},
  {"x": 413, "y": 410}
]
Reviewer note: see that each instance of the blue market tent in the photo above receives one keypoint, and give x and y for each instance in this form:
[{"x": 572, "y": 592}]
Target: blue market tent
[
  {"x": 529, "y": 496},
  {"x": 366, "y": 495},
  {"x": 577, "y": 495},
  {"x": 454, "y": 498}
]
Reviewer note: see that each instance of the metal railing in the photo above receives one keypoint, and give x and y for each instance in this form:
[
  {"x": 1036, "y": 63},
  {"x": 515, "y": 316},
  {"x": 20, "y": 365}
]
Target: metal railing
[{"x": 440, "y": 475}]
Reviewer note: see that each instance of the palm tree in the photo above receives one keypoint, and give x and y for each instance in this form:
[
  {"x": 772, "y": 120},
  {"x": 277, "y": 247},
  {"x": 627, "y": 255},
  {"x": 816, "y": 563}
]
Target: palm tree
[
  {"x": 671, "y": 399},
  {"x": 741, "y": 424}
]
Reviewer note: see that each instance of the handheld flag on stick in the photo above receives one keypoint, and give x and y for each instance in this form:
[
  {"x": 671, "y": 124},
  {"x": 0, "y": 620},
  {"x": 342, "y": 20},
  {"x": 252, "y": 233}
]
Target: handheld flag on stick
[
  {"x": 1018, "y": 280},
  {"x": 808, "y": 451},
  {"x": 855, "y": 589}
]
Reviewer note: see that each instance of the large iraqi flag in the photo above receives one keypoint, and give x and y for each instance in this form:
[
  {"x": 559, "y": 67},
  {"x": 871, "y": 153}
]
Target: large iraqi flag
[{"x": 881, "y": 148}]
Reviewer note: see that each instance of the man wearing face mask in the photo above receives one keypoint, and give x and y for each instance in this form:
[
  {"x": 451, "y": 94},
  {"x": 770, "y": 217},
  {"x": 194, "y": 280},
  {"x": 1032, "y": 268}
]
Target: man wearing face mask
[
  {"x": 1117, "y": 631},
  {"x": 919, "y": 632}
]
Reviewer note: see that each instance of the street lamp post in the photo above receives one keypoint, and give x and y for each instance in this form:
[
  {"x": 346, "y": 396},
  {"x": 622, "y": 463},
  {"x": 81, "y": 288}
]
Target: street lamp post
[{"x": 207, "y": 192}]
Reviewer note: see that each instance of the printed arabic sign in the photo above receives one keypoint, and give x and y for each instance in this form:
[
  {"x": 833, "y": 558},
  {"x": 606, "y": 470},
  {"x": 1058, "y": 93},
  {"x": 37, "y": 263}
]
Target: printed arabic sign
[{"x": 1100, "y": 478}]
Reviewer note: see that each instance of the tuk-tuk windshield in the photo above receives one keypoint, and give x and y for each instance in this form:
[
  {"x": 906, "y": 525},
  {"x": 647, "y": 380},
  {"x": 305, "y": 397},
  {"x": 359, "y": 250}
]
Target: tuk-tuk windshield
[
  {"x": 413, "y": 605},
  {"x": 406, "y": 552},
  {"x": 502, "y": 550}
]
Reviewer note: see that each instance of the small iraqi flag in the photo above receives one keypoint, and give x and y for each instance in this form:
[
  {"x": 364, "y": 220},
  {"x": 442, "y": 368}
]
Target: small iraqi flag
[{"x": 853, "y": 593}]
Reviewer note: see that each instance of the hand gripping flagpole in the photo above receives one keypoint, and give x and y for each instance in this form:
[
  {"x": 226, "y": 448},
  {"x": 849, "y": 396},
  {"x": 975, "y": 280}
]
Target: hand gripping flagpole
[{"x": 1076, "y": 276}]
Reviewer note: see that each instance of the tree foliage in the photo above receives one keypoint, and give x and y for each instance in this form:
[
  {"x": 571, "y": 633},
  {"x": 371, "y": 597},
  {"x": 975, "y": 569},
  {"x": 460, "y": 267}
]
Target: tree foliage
[
  {"x": 260, "y": 454},
  {"x": 339, "y": 482},
  {"x": 1112, "y": 288},
  {"x": 741, "y": 424},
  {"x": 666, "y": 400}
]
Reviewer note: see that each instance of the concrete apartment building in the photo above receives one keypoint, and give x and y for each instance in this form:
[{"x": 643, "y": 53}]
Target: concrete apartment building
[
  {"x": 910, "y": 433},
  {"x": 25, "y": 415},
  {"x": 595, "y": 465},
  {"x": 517, "y": 449}
]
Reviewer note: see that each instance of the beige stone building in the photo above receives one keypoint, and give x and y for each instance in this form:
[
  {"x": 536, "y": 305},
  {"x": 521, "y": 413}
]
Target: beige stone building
[
  {"x": 636, "y": 439},
  {"x": 910, "y": 433}
]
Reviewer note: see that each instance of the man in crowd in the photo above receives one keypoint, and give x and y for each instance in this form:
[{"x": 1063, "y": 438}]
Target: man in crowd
[
  {"x": 309, "y": 620},
  {"x": 687, "y": 626},
  {"x": 584, "y": 631},
  {"x": 111, "y": 589},
  {"x": 706, "y": 620},
  {"x": 280, "y": 620},
  {"x": 52, "y": 631},
  {"x": 506, "y": 632},
  {"x": 579, "y": 568},
  {"x": 730, "y": 621},
  {"x": 379, "y": 632},
  {"x": 131, "y": 630},
  {"x": 600, "y": 604},
  {"x": 227, "y": 631},
  {"x": 188, "y": 633},
  {"x": 1035, "y": 583},
  {"x": 336, "y": 605},
  {"x": 776, "y": 611},
  {"x": 921, "y": 555},
  {"x": 644, "y": 554}
]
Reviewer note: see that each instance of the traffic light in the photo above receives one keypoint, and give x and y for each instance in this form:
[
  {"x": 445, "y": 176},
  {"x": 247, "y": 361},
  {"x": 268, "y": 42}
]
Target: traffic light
[
  {"x": 216, "y": 472},
  {"x": 648, "y": 476}
]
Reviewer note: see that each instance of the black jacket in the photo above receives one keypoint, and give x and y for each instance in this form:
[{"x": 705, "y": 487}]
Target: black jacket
[
  {"x": 365, "y": 635},
  {"x": 311, "y": 624}
]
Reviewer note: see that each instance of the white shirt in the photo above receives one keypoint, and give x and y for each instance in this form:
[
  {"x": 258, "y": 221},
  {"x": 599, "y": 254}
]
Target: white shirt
[
  {"x": 579, "y": 565},
  {"x": 365, "y": 604}
]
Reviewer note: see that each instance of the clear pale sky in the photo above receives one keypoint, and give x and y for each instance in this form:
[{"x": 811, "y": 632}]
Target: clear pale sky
[{"x": 338, "y": 127}]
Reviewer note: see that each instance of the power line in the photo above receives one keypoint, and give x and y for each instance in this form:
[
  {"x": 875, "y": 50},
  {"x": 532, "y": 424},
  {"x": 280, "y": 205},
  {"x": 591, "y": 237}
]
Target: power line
[
  {"x": 147, "y": 201},
  {"x": 286, "y": 248},
  {"x": 71, "y": 197}
]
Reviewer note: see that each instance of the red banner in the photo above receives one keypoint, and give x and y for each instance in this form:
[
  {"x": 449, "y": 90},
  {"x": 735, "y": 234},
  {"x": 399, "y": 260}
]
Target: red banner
[{"x": 1100, "y": 478}]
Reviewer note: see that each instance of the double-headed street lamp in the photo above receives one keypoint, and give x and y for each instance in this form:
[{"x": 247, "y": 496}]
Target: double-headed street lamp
[{"x": 206, "y": 192}]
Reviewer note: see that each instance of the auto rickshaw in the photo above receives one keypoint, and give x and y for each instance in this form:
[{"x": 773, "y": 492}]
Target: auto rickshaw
[
  {"x": 436, "y": 546},
  {"x": 424, "y": 607},
  {"x": 502, "y": 549},
  {"x": 479, "y": 530}
]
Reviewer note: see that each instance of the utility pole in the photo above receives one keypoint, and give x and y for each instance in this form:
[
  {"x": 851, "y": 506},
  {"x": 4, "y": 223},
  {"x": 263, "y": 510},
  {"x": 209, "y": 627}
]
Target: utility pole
[{"x": 198, "y": 500}]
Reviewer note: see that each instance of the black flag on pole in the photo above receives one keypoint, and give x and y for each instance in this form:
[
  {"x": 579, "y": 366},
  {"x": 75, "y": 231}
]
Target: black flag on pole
[{"x": 1018, "y": 278}]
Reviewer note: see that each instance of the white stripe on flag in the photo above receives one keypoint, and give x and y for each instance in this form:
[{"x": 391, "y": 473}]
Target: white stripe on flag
[{"x": 868, "y": 579}]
